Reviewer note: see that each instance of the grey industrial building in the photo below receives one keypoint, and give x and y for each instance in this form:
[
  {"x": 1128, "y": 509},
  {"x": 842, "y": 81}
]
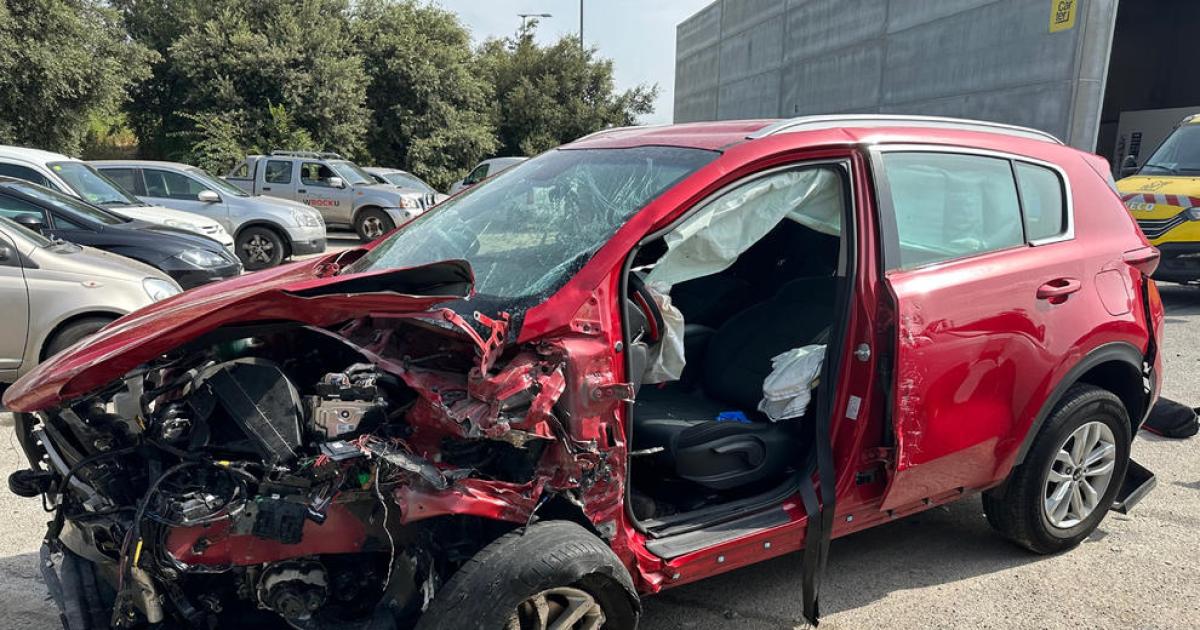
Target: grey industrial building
[{"x": 1069, "y": 67}]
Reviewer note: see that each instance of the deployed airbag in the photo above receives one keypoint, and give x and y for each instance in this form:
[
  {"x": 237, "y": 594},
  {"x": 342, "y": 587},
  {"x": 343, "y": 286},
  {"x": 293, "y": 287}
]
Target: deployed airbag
[
  {"x": 666, "y": 357},
  {"x": 787, "y": 390}
]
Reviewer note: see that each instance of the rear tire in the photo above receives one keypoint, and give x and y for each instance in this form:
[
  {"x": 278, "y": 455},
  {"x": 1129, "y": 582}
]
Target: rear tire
[
  {"x": 371, "y": 223},
  {"x": 69, "y": 334},
  {"x": 1044, "y": 504},
  {"x": 555, "y": 565},
  {"x": 260, "y": 248}
]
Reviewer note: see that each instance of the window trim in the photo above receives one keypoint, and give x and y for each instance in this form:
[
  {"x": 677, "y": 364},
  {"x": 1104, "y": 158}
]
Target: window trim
[{"x": 886, "y": 213}]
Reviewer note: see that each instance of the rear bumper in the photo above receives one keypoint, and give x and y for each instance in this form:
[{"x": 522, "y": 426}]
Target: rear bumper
[
  {"x": 1180, "y": 262},
  {"x": 1138, "y": 483}
]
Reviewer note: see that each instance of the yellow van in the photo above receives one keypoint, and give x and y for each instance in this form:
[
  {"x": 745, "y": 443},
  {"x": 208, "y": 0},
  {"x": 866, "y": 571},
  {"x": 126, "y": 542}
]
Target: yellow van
[{"x": 1164, "y": 197}]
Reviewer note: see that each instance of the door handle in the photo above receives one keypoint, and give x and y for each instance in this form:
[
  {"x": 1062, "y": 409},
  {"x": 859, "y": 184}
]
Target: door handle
[
  {"x": 1057, "y": 290},
  {"x": 266, "y": 188},
  {"x": 302, "y": 190}
]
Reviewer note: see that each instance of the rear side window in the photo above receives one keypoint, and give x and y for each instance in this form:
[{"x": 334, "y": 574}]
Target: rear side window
[
  {"x": 1043, "y": 199},
  {"x": 241, "y": 172},
  {"x": 949, "y": 206},
  {"x": 25, "y": 173},
  {"x": 126, "y": 178},
  {"x": 278, "y": 172}
]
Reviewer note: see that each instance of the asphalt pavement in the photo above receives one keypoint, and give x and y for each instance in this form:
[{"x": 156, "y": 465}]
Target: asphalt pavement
[{"x": 940, "y": 569}]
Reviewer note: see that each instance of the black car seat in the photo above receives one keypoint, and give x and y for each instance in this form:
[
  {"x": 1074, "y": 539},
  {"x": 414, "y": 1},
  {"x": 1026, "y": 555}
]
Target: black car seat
[{"x": 726, "y": 454}]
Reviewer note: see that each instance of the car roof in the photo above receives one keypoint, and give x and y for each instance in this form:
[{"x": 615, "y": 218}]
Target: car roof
[
  {"x": 720, "y": 135},
  {"x": 141, "y": 163},
  {"x": 32, "y": 155}
]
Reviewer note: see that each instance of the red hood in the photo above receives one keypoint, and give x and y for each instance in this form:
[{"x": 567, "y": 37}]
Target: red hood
[{"x": 304, "y": 292}]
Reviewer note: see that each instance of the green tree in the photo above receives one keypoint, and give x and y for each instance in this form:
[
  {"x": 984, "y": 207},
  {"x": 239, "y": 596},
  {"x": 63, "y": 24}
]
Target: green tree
[
  {"x": 63, "y": 65},
  {"x": 255, "y": 74},
  {"x": 430, "y": 107},
  {"x": 549, "y": 95}
]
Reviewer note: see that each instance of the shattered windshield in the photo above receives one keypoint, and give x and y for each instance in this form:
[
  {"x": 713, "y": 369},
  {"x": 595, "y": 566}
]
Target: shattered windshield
[{"x": 529, "y": 229}]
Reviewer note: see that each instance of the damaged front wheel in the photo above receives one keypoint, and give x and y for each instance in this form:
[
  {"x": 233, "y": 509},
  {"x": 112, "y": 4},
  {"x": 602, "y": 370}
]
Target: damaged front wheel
[{"x": 553, "y": 574}]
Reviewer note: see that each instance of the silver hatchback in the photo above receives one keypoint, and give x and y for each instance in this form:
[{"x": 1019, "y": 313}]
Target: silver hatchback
[{"x": 54, "y": 293}]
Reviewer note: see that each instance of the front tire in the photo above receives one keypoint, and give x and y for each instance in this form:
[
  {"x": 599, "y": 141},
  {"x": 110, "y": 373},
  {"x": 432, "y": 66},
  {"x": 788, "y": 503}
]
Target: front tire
[
  {"x": 69, "y": 334},
  {"x": 260, "y": 248},
  {"x": 551, "y": 572},
  {"x": 371, "y": 223},
  {"x": 1060, "y": 493}
]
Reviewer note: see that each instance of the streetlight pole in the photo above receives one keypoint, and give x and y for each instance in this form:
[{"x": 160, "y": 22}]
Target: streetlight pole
[{"x": 581, "y": 48}]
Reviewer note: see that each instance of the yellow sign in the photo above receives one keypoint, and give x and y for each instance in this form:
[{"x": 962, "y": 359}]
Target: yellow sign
[{"x": 1062, "y": 15}]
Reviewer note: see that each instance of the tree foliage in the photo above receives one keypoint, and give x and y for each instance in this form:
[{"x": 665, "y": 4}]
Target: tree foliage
[
  {"x": 430, "y": 109},
  {"x": 63, "y": 65},
  {"x": 546, "y": 96},
  {"x": 254, "y": 74}
]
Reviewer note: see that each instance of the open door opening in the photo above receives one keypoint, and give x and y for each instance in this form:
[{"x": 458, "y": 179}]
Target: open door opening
[{"x": 730, "y": 315}]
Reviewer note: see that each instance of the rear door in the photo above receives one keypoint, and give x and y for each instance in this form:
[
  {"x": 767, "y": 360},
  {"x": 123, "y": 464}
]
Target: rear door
[
  {"x": 979, "y": 287},
  {"x": 278, "y": 178}
]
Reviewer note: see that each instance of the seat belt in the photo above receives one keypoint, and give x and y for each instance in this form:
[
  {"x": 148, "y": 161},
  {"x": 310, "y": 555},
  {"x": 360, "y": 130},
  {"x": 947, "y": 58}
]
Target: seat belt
[{"x": 820, "y": 510}]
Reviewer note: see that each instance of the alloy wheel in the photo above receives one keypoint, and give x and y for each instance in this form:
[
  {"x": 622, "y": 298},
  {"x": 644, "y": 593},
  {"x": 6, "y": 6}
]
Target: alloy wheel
[
  {"x": 372, "y": 227},
  {"x": 1079, "y": 475},
  {"x": 558, "y": 609},
  {"x": 258, "y": 249}
]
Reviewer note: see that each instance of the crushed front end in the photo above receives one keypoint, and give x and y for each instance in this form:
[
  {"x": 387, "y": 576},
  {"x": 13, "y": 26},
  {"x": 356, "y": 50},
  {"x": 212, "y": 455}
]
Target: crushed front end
[{"x": 290, "y": 474}]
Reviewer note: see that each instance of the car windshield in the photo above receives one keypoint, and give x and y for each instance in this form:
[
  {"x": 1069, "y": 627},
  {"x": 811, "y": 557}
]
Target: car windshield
[
  {"x": 14, "y": 228},
  {"x": 1179, "y": 155},
  {"x": 351, "y": 173},
  {"x": 67, "y": 204},
  {"x": 404, "y": 180},
  {"x": 216, "y": 184},
  {"x": 89, "y": 184},
  {"x": 527, "y": 231}
]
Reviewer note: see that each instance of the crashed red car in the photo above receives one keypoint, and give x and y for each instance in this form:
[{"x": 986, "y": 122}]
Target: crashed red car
[{"x": 639, "y": 360}]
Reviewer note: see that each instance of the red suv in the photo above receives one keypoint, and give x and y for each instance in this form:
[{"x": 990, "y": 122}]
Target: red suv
[{"x": 647, "y": 357}]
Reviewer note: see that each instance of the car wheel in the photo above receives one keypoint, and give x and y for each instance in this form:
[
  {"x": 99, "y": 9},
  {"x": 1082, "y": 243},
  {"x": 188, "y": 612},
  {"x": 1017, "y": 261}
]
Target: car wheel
[
  {"x": 69, "y": 334},
  {"x": 259, "y": 248},
  {"x": 371, "y": 223},
  {"x": 1073, "y": 470},
  {"x": 553, "y": 574}
]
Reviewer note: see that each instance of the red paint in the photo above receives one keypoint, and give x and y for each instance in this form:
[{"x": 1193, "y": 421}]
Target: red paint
[
  {"x": 342, "y": 532},
  {"x": 974, "y": 352}
]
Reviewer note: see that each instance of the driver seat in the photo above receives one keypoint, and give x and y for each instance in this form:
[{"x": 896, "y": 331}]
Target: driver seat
[{"x": 723, "y": 454}]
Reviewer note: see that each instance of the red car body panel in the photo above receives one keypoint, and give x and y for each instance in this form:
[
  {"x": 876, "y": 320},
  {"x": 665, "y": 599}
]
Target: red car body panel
[{"x": 970, "y": 377}]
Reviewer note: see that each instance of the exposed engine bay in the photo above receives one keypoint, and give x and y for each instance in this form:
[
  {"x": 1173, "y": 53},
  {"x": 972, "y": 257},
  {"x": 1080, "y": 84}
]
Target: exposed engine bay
[{"x": 289, "y": 475}]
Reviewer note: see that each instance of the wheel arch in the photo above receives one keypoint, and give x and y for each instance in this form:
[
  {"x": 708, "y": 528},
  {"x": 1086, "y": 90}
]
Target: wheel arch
[
  {"x": 279, "y": 231},
  {"x": 1116, "y": 367},
  {"x": 94, "y": 313}
]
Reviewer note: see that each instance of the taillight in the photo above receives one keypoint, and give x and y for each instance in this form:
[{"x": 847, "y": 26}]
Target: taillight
[{"x": 1144, "y": 259}]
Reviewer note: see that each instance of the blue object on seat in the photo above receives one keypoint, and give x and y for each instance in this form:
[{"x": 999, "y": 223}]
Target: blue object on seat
[{"x": 733, "y": 416}]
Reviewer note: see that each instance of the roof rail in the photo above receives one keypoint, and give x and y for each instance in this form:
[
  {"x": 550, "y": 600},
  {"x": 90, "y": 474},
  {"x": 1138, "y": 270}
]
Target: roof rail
[
  {"x": 814, "y": 123},
  {"x": 308, "y": 154}
]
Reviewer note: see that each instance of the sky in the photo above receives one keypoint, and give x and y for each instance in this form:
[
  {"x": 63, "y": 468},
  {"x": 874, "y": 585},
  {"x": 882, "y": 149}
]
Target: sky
[{"x": 639, "y": 36}]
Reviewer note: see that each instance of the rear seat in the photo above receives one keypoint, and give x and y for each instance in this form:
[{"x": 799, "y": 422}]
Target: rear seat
[{"x": 722, "y": 455}]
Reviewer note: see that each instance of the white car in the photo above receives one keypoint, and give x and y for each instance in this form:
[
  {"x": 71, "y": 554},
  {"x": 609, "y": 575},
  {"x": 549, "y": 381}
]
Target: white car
[{"x": 75, "y": 177}]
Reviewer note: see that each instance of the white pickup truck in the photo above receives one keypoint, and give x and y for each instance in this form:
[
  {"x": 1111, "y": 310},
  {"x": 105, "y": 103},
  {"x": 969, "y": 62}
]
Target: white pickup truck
[{"x": 346, "y": 195}]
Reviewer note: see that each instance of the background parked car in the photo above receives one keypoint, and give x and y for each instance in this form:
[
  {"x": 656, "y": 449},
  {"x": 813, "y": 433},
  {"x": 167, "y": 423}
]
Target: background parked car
[
  {"x": 484, "y": 170},
  {"x": 74, "y": 177},
  {"x": 54, "y": 293},
  {"x": 266, "y": 230},
  {"x": 344, "y": 193},
  {"x": 189, "y": 258},
  {"x": 406, "y": 180}
]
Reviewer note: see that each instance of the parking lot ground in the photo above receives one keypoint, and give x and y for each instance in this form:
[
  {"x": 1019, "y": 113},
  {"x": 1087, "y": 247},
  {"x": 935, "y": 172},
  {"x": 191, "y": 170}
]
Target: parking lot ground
[{"x": 940, "y": 569}]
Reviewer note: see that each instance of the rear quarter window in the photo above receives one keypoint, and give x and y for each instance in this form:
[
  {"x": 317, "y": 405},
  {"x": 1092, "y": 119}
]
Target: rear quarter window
[{"x": 1043, "y": 198}]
